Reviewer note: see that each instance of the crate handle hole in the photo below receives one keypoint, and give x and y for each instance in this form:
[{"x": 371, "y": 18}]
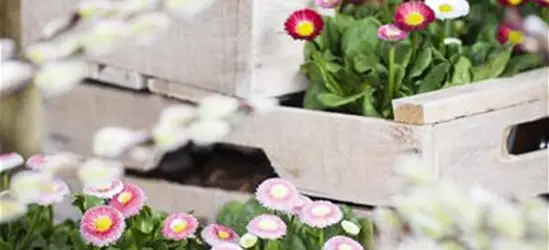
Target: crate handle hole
[{"x": 527, "y": 137}]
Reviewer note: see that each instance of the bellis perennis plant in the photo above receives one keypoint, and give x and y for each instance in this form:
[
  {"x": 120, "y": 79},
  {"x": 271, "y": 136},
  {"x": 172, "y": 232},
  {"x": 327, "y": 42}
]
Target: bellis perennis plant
[{"x": 372, "y": 52}]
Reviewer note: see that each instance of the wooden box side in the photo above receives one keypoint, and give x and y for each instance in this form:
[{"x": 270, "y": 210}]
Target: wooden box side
[
  {"x": 472, "y": 151},
  {"x": 342, "y": 157},
  {"x": 477, "y": 98}
]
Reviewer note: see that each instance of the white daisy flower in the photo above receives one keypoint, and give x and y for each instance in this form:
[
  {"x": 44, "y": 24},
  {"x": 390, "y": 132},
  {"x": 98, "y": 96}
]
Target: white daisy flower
[
  {"x": 217, "y": 107},
  {"x": 449, "y": 9},
  {"x": 248, "y": 240},
  {"x": 41, "y": 53},
  {"x": 452, "y": 41},
  {"x": 350, "y": 228},
  {"x": 169, "y": 137},
  {"x": 99, "y": 172},
  {"x": 113, "y": 141},
  {"x": 205, "y": 132},
  {"x": 9, "y": 161},
  {"x": 177, "y": 115},
  {"x": 187, "y": 8},
  {"x": 56, "y": 78},
  {"x": 11, "y": 210},
  {"x": 146, "y": 28},
  {"x": 105, "y": 36},
  {"x": 26, "y": 186},
  {"x": 14, "y": 74}
]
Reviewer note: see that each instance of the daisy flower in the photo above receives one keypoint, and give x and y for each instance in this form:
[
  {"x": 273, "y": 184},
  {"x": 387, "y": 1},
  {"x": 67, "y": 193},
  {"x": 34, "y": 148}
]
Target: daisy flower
[
  {"x": 53, "y": 192},
  {"x": 99, "y": 172},
  {"x": 321, "y": 214},
  {"x": 304, "y": 24},
  {"x": 506, "y": 33},
  {"x": 58, "y": 77},
  {"x": 328, "y": 4},
  {"x": 177, "y": 115},
  {"x": 11, "y": 210},
  {"x": 216, "y": 234},
  {"x": 51, "y": 163},
  {"x": 226, "y": 246},
  {"x": 512, "y": 3},
  {"x": 277, "y": 194},
  {"x": 169, "y": 137},
  {"x": 10, "y": 160},
  {"x": 207, "y": 131},
  {"x": 299, "y": 203},
  {"x": 14, "y": 75},
  {"x": 267, "y": 226},
  {"x": 179, "y": 226},
  {"x": 102, "y": 226},
  {"x": 413, "y": 15},
  {"x": 350, "y": 227},
  {"x": 105, "y": 192},
  {"x": 390, "y": 32},
  {"x": 217, "y": 107},
  {"x": 342, "y": 243},
  {"x": 449, "y": 9},
  {"x": 129, "y": 201},
  {"x": 26, "y": 186}
]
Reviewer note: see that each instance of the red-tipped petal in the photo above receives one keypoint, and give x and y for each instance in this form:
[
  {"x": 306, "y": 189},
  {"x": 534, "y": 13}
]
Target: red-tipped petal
[
  {"x": 413, "y": 15},
  {"x": 304, "y": 24}
]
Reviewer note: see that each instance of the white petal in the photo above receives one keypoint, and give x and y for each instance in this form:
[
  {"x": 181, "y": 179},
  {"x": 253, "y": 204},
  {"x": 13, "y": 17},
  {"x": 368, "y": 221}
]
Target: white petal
[
  {"x": 14, "y": 74},
  {"x": 176, "y": 115},
  {"x": 59, "y": 77},
  {"x": 9, "y": 161},
  {"x": 204, "y": 132},
  {"x": 535, "y": 26},
  {"x": 105, "y": 36},
  {"x": 350, "y": 227},
  {"x": 11, "y": 210},
  {"x": 129, "y": 7},
  {"x": 113, "y": 141},
  {"x": 100, "y": 172},
  {"x": 41, "y": 53},
  {"x": 26, "y": 186},
  {"x": 217, "y": 106},
  {"x": 146, "y": 28},
  {"x": 452, "y": 40},
  {"x": 187, "y": 8},
  {"x": 248, "y": 240},
  {"x": 7, "y": 48}
]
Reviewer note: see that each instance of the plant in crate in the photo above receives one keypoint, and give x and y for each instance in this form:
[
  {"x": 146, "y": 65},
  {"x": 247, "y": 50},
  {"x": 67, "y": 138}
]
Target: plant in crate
[{"x": 371, "y": 52}]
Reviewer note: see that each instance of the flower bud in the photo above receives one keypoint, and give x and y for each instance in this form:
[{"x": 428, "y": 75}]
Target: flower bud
[
  {"x": 248, "y": 240},
  {"x": 350, "y": 227}
]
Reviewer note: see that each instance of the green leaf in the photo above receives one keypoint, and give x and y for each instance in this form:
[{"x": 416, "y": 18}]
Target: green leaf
[
  {"x": 252, "y": 208},
  {"x": 229, "y": 213},
  {"x": 77, "y": 240},
  {"x": 308, "y": 49},
  {"x": 437, "y": 55},
  {"x": 361, "y": 35},
  {"x": 368, "y": 103},
  {"x": 329, "y": 39},
  {"x": 462, "y": 72},
  {"x": 403, "y": 53},
  {"x": 434, "y": 78},
  {"x": 333, "y": 101},
  {"x": 522, "y": 63},
  {"x": 400, "y": 73},
  {"x": 333, "y": 67},
  {"x": 85, "y": 202},
  {"x": 421, "y": 63},
  {"x": 479, "y": 52},
  {"x": 296, "y": 243},
  {"x": 310, "y": 101},
  {"x": 144, "y": 224},
  {"x": 343, "y": 21},
  {"x": 494, "y": 67},
  {"x": 366, "y": 236},
  {"x": 5, "y": 245},
  {"x": 365, "y": 61},
  {"x": 273, "y": 245}
]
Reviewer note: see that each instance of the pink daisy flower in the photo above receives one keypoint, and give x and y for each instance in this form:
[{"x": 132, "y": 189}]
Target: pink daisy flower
[
  {"x": 320, "y": 214},
  {"x": 413, "y": 15},
  {"x": 53, "y": 192},
  {"x": 277, "y": 194},
  {"x": 215, "y": 234},
  {"x": 102, "y": 226},
  {"x": 328, "y": 4},
  {"x": 130, "y": 201},
  {"x": 179, "y": 226},
  {"x": 9, "y": 161},
  {"x": 299, "y": 203},
  {"x": 342, "y": 243},
  {"x": 52, "y": 162},
  {"x": 105, "y": 192},
  {"x": 267, "y": 226},
  {"x": 226, "y": 246},
  {"x": 304, "y": 24},
  {"x": 390, "y": 32}
]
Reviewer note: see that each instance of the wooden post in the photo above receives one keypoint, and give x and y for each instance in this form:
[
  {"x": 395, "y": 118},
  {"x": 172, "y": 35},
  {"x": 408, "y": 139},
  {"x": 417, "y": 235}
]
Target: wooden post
[{"x": 21, "y": 114}]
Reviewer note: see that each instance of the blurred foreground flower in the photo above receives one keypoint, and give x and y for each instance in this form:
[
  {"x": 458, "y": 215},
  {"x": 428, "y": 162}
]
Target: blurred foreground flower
[
  {"x": 26, "y": 186},
  {"x": 14, "y": 75},
  {"x": 113, "y": 141},
  {"x": 10, "y": 160},
  {"x": 56, "y": 78},
  {"x": 11, "y": 210},
  {"x": 100, "y": 173}
]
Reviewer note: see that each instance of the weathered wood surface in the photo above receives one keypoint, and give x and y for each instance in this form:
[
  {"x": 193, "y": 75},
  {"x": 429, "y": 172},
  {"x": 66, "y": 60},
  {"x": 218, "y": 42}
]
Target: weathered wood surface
[
  {"x": 235, "y": 47},
  {"x": 445, "y": 105}
]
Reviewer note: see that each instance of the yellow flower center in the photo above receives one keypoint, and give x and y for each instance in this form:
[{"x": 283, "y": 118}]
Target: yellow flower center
[
  {"x": 515, "y": 2},
  {"x": 344, "y": 247},
  {"x": 268, "y": 225},
  {"x": 446, "y": 8},
  {"x": 279, "y": 191},
  {"x": 179, "y": 225},
  {"x": 223, "y": 235},
  {"x": 102, "y": 224},
  {"x": 305, "y": 28},
  {"x": 321, "y": 210},
  {"x": 48, "y": 188},
  {"x": 125, "y": 197},
  {"x": 415, "y": 18},
  {"x": 515, "y": 37}
]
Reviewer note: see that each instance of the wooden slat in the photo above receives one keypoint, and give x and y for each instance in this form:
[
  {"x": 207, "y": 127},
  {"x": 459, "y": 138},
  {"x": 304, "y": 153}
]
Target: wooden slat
[{"x": 448, "y": 104}]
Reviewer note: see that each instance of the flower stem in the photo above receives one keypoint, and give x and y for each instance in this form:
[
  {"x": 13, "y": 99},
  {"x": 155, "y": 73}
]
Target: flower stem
[
  {"x": 28, "y": 237},
  {"x": 50, "y": 214},
  {"x": 415, "y": 42},
  {"x": 321, "y": 239},
  {"x": 389, "y": 91},
  {"x": 5, "y": 181},
  {"x": 446, "y": 32}
]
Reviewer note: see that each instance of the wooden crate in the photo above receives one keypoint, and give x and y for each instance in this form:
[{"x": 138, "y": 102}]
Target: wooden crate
[
  {"x": 235, "y": 47},
  {"x": 460, "y": 131}
]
